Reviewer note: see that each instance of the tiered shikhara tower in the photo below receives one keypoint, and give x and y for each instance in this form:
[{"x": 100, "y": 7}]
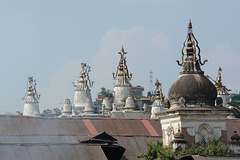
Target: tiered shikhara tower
[
  {"x": 31, "y": 107},
  {"x": 157, "y": 99},
  {"x": 192, "y": 113},
  {"x": 122, "y": 88},
  {"x": 82, "y": 96}
]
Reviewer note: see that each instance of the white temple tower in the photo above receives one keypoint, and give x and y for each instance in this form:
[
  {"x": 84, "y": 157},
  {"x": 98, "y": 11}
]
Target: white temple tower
[
  {"x": 82, "y": 91},
  {"x": 122, "y": 88},
  {"x": 31, "y": 107},
  {"x": 157, "y": 99}
]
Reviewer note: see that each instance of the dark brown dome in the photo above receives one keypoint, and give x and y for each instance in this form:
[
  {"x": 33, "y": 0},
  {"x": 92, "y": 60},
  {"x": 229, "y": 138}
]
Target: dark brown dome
[{"x": 193, "y": 89}]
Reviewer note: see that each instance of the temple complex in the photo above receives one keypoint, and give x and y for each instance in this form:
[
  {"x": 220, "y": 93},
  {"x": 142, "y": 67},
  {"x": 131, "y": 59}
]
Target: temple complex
[
  {"x": 192, "y": 117},
  {"x": 193, "y": 113},
  {"x": 31, "y": 107}
]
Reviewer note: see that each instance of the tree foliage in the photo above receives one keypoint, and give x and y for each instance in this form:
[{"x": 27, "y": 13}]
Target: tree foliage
[
  {"x": 106, "y": 93},
  {"x": 213, "y": 148},
  {"x": 156, "y": 150}
]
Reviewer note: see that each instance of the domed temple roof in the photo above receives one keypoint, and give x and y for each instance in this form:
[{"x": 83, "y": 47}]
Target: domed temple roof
[{"x": 192, "y": 88}]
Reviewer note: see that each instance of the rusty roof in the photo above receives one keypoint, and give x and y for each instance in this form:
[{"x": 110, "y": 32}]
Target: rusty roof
[
  {"x": 25, "y": 137},
  {"x": 232, "y": 125},
  {"x": 59, "y": 138}
]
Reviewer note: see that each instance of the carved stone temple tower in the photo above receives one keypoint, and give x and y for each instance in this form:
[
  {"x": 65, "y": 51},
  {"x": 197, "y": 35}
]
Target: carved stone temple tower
[
  {"x": 31, "y": 107},
  {"x": 192, "y": 113},
  {"x": 82, "y": 94},
  {"x": 122, "y": 88},
  {"x": 157, "y": 99}
]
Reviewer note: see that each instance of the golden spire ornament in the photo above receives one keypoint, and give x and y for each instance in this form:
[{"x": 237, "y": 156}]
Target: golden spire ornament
[{"x": 122, "y": 69}]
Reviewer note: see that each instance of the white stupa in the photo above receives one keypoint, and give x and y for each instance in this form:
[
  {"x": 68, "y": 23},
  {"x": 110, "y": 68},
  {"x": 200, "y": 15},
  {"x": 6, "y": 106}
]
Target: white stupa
[
  {"x": 122, "y": 88},
  {"x": 31, "y": 107},
  {"x": 82, "y": 91},
  {"x": 89, "y": 109},
  {"x": 67, "y": 108}
]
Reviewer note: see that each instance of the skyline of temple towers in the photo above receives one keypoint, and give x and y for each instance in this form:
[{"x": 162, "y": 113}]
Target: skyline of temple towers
[
  {"x": 31, "y": 107},
  {"x": 192, "y": 113},
  {"x": 82, "y": 95},
  {"x": 124, "y": 104}
]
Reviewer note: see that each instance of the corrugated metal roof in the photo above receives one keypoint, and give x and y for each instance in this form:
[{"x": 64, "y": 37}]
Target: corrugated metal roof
[{"x": 47, "y": 138}]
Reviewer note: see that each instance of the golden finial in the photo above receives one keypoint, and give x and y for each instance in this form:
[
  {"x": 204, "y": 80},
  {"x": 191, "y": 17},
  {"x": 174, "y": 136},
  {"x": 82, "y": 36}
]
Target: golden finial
[
  {"x": 192, "y": 47},
  {"x": 157, "y": 93},
  {"x": 218, "y": 82},
  {"x": 122, "y": 66},
  {"x": 83, "y": 76},
  {"x": 122, "y": 51},
  {"x": 189, "y": 24}
]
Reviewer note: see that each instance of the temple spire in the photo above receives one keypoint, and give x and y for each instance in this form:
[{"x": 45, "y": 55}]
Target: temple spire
[
  {"x": 218, "y": 82},
  {"x": 191, "y": 64},
  {"x": 83, "y": 77},
  {"x": 31, "y": 107},
  {"x": 122, "y": 69},
  {"x": 157, "y": 93}
]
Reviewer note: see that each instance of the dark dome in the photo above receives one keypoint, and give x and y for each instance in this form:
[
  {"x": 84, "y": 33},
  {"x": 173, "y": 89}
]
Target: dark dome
[
  {"x": 178, "y": 135},
  {"x": 192, "y": 89},
  {"x": 235, "y": 137}
]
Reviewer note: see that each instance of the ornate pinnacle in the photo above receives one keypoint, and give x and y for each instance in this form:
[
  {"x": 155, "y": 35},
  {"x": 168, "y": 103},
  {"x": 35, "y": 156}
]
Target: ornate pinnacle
[
  {"x": 83, "y": 76},
  {"x": 157, "y": 93},
  {"x": 122, "y": 69},
  {"x": 191, "y": 47},
  {"x": 189, "y": 24},
  {"x": 32, "y": 88},
  {"x": 218, "y": 83}
]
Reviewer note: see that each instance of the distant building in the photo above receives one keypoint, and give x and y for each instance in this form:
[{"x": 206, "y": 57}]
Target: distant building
[{"x": 137, "y": 91}]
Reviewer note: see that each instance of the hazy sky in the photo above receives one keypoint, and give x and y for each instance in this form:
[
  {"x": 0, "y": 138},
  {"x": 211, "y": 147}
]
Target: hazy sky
[{"x": 48, "y": 39}]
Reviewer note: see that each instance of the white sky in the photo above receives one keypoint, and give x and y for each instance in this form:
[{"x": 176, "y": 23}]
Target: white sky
[{"x": 49, "y": 39}]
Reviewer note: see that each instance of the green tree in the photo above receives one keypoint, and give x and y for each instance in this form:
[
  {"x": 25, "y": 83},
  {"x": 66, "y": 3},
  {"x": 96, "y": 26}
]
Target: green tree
[
  {"x": 156, "y": 150},
  {"x": 213, "y": 148},
  {"x": 106, "y": 93}
]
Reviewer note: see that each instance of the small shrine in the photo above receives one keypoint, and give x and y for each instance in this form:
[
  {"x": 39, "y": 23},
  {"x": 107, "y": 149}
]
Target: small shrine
[{"x": 31, "y": 107}]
